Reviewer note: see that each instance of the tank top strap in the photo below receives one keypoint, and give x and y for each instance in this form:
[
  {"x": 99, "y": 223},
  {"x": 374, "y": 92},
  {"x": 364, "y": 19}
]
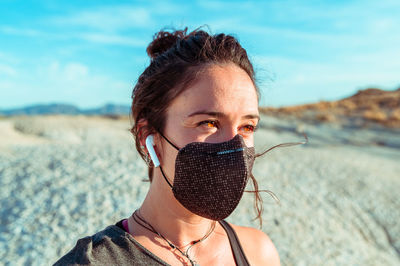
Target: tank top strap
[{"x": 240, "y": 257}]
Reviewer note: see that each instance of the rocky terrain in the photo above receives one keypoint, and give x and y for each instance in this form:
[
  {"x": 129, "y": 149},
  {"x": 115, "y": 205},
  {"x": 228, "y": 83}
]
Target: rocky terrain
[{"x": 66, "y": 177}]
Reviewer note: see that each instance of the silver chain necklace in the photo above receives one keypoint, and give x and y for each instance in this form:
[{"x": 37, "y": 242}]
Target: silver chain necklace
[{"x": 140, "y": 220}]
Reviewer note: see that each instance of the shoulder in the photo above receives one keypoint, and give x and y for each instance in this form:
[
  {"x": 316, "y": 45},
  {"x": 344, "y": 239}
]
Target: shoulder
[
  {"x": 102, "y": 247},
  {"x": 258, "y": 247}
]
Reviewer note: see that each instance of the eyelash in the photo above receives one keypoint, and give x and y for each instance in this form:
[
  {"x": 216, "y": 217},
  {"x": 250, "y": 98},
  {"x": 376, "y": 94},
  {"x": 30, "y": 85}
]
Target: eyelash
[
  {"x": 208, "y": 122},
  {"x": 215, "y": 123},
  {"x": 254, "y": 128}
]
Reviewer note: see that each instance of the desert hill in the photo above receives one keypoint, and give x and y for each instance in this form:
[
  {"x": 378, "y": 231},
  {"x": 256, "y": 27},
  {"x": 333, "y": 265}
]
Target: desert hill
[{"x": 366, "y": 107}]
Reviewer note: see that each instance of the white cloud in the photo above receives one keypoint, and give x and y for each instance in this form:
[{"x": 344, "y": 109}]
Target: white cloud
[
  {"x": 75, "y": 71},
  {"x": 347, "y": 22},
  {"x": 384, "y": 25},
  {"x": 94, "y": 37},
  {"x": 351, "y": 47},
  {"x": 112, "y": 39},
  {"x": 223, "y": 5},
  {"x": 168, "y": 8},
  {"x": 110, "y": 18},
  {"x": 69, "y": 82},
  {"x": 9, "y": 59},
  {"x": 103, "y": 25},
  {"x": 7, "y": 70},
  {"x": 313, "y": 81},
  {"x": 20, "y": 32}
]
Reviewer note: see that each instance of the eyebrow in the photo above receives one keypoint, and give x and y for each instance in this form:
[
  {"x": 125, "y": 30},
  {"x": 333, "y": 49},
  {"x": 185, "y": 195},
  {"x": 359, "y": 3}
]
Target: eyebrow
[{"x": 219, "y": 114}]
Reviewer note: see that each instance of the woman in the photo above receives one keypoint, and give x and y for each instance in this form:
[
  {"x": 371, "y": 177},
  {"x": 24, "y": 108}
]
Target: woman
[{"x": 195, "y": 110}]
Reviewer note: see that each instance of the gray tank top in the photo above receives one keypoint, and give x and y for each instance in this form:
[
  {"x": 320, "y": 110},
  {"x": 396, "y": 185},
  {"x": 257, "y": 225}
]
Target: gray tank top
[{"x": 114, "y": 246}]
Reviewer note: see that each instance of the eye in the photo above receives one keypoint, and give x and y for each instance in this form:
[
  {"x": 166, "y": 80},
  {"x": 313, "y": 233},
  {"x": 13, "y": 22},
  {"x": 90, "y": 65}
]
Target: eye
[
  {"x": 208, "y": 123},
  {"x": 250, "y": 128}
]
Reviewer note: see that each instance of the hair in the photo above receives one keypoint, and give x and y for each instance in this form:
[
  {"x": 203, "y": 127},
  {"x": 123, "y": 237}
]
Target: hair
[{"x": 177, "y": 57}]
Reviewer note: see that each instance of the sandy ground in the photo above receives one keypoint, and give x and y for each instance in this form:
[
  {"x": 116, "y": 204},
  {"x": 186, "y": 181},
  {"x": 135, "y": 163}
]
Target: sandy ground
[{"x": 63, "y": 178}]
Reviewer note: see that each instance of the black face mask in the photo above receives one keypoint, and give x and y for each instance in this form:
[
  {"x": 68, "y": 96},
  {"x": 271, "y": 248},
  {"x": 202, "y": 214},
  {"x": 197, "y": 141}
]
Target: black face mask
[{"x": 210, "y": 178}]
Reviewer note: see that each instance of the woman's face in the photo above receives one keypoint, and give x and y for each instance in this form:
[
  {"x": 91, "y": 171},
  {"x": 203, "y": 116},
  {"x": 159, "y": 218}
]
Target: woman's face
[{"x": 219, "y": 105}]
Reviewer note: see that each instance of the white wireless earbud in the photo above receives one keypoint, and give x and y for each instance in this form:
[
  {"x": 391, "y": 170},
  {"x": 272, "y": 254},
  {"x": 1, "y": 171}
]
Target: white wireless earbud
[{"x": 152, "y": 152}]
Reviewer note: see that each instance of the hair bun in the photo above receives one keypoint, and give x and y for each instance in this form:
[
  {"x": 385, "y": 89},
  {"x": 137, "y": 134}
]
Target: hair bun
[{"x": 164, "y": 40}]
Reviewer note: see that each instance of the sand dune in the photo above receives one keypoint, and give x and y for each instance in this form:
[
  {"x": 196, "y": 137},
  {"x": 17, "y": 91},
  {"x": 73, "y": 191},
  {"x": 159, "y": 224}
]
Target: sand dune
[{"x": 62, "y": 178}]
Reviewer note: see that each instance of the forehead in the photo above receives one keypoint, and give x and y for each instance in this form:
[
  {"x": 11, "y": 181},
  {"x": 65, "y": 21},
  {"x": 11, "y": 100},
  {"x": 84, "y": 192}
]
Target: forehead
[{"x": 222, "y": 88}]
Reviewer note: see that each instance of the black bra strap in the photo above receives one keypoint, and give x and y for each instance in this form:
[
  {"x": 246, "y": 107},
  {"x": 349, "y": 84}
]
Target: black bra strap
[{"x": 237, "y": 250}]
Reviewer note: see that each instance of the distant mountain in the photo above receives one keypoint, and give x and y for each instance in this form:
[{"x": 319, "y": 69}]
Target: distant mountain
[
  {"x": 109, "y": 109},
  {"x": 68, "y": 109}
]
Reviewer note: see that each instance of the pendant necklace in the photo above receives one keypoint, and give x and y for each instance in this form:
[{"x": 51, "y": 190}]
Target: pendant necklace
[{"x": 142, "y": 222}]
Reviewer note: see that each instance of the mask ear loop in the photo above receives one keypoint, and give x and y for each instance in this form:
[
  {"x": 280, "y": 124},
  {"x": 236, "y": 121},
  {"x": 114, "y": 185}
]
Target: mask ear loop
[
  {"x": 287, "y": 144},
  {"x": 166, "y": 179},
  {"x": 162, "y": 171},
  {"x": 169, "y": 141}
]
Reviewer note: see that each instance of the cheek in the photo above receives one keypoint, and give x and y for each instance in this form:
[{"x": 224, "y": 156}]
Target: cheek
[
  {"x": 165, "y": 151},
  {"x": 167, "y": 157},
  {"x": 249, "y": 140}
]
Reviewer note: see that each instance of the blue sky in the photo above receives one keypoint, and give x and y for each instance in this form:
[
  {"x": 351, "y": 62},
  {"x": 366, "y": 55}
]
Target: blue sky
[{"x": 89, "y": 53}]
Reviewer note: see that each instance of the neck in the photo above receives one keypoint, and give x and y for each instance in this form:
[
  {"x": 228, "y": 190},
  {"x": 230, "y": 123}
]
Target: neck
[{"x": 168, "y": 217}]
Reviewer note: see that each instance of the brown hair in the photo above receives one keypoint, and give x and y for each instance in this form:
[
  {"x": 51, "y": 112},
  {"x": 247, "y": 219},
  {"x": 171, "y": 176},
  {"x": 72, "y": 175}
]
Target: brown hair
[{"x": 176, "y": 59}]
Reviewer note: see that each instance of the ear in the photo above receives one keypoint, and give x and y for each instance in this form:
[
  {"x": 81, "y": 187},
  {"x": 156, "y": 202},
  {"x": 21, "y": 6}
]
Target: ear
[
  {"x": 143, "y": 130},
  {"x": 157, "y": 146}
]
